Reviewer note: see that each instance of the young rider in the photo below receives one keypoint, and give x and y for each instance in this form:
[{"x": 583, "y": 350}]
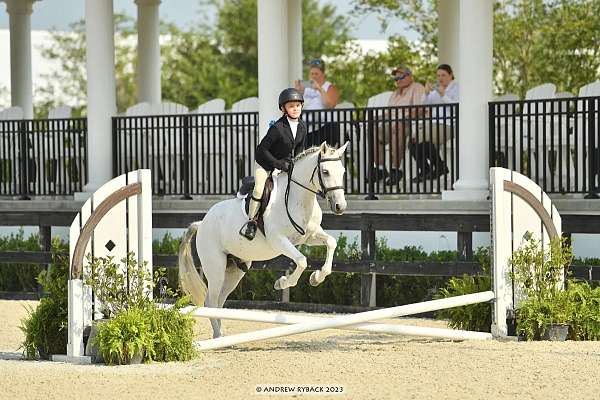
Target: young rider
[{"x": 283, "y": 141}]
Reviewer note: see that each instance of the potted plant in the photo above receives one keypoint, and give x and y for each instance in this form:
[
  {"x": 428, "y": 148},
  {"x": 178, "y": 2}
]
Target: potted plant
[
  {"x": 136, "y": 328},
  {"x": 538, "y": 274}
]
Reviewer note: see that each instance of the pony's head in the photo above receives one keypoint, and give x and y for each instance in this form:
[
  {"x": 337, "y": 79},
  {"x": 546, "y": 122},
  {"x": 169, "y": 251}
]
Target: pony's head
[{"x": 331, "y": 176}]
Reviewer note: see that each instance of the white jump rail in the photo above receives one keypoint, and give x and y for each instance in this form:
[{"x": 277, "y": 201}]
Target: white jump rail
[
  {"x": 288, "y": 319},
  {"x": 345, "y": 320}
]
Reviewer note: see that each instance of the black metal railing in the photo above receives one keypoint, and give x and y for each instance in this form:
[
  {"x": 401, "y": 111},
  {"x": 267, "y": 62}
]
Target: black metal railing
[
  {"x": 43, "y": 157},
  {"x": 188, "y": 153},
  {"x": 392, "y": 150},
  {"x": 199, "y": 154},
  {"x": 552, "y": 141}
]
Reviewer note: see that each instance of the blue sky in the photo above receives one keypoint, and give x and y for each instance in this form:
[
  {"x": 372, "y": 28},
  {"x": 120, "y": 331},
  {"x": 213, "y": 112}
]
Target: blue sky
[{"x": 60, "y": 13}]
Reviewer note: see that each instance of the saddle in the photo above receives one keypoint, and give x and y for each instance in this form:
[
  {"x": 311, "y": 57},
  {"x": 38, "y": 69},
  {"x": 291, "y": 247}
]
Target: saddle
[{"x": 247, "y": 188}]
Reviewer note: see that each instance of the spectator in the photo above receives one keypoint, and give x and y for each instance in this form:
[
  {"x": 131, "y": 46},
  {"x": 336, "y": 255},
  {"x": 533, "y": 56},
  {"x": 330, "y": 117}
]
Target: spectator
[
  {"x": 321, "y": 95},
  {"x": 429, "y": 163},
  {"x": 407, "y": 93}
]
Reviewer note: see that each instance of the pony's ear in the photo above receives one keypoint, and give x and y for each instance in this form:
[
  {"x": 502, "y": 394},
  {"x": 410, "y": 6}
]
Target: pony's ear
[
  {"x": 323, "y": 147},
  {"x": 342, "y": 149}
]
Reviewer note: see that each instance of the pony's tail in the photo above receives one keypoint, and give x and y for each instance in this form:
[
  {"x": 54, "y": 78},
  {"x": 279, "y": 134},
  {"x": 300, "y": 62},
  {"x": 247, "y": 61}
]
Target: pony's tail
[{"x": 191, "y": 282}]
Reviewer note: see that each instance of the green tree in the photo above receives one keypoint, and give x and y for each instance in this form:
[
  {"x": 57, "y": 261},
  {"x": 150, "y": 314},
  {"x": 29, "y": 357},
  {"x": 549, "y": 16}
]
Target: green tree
[
  {"x": 69, "y": 80},
  {"x": 222, "y": 60},
  {"x": 539, "y": 41},
  {"x": 535, "y": 41},
  {"x": 199, "y": 64}
]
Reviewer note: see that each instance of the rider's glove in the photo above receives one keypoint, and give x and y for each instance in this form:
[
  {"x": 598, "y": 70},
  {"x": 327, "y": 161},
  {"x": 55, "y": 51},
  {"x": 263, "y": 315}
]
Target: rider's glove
[{"x": 282, "y": 165}]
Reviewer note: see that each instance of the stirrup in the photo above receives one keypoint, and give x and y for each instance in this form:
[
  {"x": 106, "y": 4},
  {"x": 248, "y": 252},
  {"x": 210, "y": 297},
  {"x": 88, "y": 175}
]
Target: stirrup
[{"x": 249, "y": 233}]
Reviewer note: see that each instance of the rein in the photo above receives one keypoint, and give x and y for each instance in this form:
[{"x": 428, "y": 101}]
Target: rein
[{"x": 321, "y": 193}]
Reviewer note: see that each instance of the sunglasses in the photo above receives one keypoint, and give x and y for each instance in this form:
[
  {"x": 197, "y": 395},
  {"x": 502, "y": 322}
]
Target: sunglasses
[
  {"x": 399, "y": 78},
  {"x": 316, "y": 62}
]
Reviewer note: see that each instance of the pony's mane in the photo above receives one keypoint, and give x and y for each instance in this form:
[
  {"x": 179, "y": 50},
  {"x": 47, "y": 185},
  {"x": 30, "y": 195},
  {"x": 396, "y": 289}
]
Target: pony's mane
[{"x": 312, "y": 150}]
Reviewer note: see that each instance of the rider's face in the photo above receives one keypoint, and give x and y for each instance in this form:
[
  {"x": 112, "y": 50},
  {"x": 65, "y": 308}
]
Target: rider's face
[{"x": 293, "y": 109}]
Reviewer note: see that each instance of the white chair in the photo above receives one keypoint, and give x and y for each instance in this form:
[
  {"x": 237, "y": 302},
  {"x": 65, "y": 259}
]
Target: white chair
[
  {"x": 241, "y": 154},
  {"x": 249, "y": 104},
  {"x": 590, "y": 90},
  {"x": 60, "y": 145},
  {"x": 581, "y": 123},
  {"x": 203, "y": 128},
  {"x": 379, "y": 100},
  {"x": 61, "y": 112},
  {"x": 11, "y": 113},
  {"x": 214, "y": 106},
  {"x": 168, "y": 108},
  {"x": 139, "y": 130},
  {"x": 345, "y": 104},
  {"x": 507, "y": 97},
  {"x": 139, "y": 109},
  {"x": 8, "y": 130},
  {"x": 171, "y": 125},
  {"x": 544, "y": 91}
]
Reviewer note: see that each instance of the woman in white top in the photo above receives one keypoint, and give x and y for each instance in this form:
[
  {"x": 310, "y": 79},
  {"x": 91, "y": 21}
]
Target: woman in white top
[
  {"x": 429, "y": 163},
  {"x": 445, "y": 89},
  {"x": 322, "y": 95}
]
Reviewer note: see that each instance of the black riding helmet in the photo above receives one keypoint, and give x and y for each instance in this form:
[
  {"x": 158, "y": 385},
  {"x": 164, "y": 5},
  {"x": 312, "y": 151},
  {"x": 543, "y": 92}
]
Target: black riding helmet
[{"x": 289, "y": 94}]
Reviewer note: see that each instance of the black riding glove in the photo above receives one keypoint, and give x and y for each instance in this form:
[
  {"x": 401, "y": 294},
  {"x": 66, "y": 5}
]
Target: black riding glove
[{"x": 282, "y": 165}]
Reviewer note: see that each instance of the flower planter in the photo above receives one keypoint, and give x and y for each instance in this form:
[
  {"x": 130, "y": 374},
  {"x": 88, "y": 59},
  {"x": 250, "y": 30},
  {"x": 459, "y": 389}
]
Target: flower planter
[{"x": 556, "y": 332}]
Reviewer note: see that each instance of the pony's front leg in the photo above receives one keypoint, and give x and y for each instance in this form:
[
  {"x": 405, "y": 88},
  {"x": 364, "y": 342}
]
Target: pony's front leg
[
  {"x": 320, "y": 238},
  {"x": 286, "y": 248}
]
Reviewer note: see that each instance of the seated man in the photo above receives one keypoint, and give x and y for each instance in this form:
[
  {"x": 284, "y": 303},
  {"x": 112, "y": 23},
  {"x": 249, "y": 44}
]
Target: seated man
[{"x": 407, "y": 93}]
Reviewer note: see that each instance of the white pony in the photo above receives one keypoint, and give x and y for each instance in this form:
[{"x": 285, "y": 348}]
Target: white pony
[{"x": 318, "y": 170}]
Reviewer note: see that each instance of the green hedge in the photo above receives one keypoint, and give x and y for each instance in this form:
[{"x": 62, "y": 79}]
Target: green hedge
[{"x": 338, "y": 288}]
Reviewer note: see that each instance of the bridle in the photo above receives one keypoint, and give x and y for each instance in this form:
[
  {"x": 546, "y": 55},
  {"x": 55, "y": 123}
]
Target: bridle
[{"x": 321, "y": 193}]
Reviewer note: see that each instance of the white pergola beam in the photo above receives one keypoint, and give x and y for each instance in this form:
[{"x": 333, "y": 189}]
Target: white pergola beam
[
  {"x": 294, "y": 40},
  {"x": 448, "y": 19},
  {"x": 101, "y": 89},
  {"x": 21, "y": 82},
  {"x": 475, "y": 64},
  {"x": 148, "y": 26},
  {"x": 272, "y": 59}
]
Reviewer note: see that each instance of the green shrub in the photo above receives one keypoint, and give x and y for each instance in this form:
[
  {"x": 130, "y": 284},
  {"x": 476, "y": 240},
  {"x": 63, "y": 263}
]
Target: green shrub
[
  {"x": 473, "y": 317},
  {"x": 140, "y": 326},
  {"x": 125, "y": 336},
  {"x": 119, "y": 286},
  {"x": 585, "y": 311},
  {"x": 535, "y": 314},
  {"x": 538, "y": 274},
  {"x": 45, "y": 328},
  {"x": 172, "y": 333}
]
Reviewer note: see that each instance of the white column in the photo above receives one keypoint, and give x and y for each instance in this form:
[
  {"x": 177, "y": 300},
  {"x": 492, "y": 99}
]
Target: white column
[
  {"x": 148, "y": 26},
  {"x": 272, "y": 59},
  {"x": 295, "y": 53},
  {"x": 101, "y": 92},
  {"x": 448, "y": 17},
  {"x": 475, "y": 62},
  {"x": 21, "y": 86}
]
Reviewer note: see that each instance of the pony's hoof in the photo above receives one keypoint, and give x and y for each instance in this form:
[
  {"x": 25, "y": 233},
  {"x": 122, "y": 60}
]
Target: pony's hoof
[
  {"x": 279, "y": 283},
  {"x": 313, "y": 279}
]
